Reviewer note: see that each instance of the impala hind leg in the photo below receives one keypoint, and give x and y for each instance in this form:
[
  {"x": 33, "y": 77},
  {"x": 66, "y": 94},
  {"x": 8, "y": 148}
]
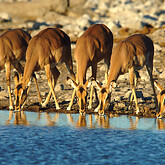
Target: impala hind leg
[
  {"x": 8, "y": 71},
  {"x": 107, "y": 64},
  {"x": 49, "y": 77},
  {"x": 135, "y": 77},
  {"x": 56, "y": 75},
  {"x": 133, "y": 83},
  {"x": 19, "y": 68},
  {"x": 73, "y": 96},
  {"x": 149, "y": 70},
  {"x": 38, "y": 92},
  {"x": 94, "y": 72}
]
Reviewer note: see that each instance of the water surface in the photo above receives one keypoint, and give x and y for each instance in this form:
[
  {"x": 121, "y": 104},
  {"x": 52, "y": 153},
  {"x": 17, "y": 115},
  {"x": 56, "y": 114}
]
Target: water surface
[{"x": 41, "y": 138}]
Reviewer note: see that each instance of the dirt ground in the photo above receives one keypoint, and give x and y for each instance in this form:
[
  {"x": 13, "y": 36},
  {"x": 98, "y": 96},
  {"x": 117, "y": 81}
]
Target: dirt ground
[{"x": 120, "y": 97}]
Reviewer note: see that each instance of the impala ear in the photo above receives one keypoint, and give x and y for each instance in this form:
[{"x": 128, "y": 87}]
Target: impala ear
[
  {"x": 96, "y": 84},
  {"x": 158, "y": 86},
  {"x": 71, "y": 82},
  {"x": 29, "y": 83},
  {"x": 88, "y": 82},
  {"x": 113, "y": 85}
]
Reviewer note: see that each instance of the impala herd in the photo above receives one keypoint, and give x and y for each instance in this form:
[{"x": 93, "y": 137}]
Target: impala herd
[{"x": 52, "y": 46}]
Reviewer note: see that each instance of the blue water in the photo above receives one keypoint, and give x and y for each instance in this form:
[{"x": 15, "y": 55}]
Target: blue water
[{"x": 60, "y": 139}]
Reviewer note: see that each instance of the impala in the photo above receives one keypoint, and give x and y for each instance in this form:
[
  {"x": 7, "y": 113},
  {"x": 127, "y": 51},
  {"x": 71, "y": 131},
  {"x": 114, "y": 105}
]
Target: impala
[
  {"x": 93, "y": 45},
  {"x": 161, "y": 100},
  {"x": 13, "y": 44},
  {"x": 45, "y": 50},
  {"x": 129, "y": 55}
]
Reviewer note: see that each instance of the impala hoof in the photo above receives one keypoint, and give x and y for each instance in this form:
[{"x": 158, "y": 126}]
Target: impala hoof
[
  {"x": 101, "y": 115},
  {"x": 96, "y": 110},
  {"x": 16, "y": 110},
  {"x": 57, "y": 108},
  {"x": 11, "y": 107},
  {"x": 43, "y": 105},
  {"x": 137, "y": 111},
  {"x": 68, "y": 108},
  {"x": 89, "y": 107}
]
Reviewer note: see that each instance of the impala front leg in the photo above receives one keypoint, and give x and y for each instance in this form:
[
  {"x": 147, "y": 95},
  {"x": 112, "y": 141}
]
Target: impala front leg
[
  {"x": 71, "y": 102},
  {"x": 48, "y": 74},
  {"x": 133, "y": 86},
  {"x": 56, "y": 74},
  {"x": 153, "y": 88},
  {"x": 8, "y": 70}
]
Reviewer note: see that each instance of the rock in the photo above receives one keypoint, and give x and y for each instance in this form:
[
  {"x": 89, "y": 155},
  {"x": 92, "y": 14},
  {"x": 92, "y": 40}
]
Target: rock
[
  {"x": 139, "y": 94},
  {"x": 84, "y": 21},
  {"x": 147, "y": 19},
  {"x": 144, "y": 76},
  {"x": 5, "y": 17},
  {"x": 158, "y": 35},
  {"x": 14, "y": 1},
  {"x": 121, "y": 104},
  {"x": 157, "y": 48},
  {"x": 162, "y": 75},
  {"x": 91, "y": 4},
  {"x": 37, "y": 25},
  {"x": 124, "y": 77},
  {"x": 59, "y": 6},
  {"x": 59, "y": 87},
  {"x": 3, "y": 94},
  {"x": 77, "y": 30}
]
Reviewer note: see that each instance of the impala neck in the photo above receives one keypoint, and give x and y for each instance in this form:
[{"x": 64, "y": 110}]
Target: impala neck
[
  {"x": 28, "y": 73},
  {"x": 81, "y": 73},
  {"x": 113, "y": 74},
  {"x": 26, "y": 83}
]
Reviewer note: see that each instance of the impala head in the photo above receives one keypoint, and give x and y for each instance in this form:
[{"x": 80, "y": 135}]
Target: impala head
[
  {"x": 103, "y": 95},
  {"x": 81, "y": 92},
  {"x": 161, "y": 104},
  {"x": 20, "y": 93},
  {"x": 161, "y": 100}
]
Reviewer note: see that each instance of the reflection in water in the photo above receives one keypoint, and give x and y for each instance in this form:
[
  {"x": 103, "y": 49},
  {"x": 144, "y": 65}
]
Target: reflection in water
[
  {"x": 50, "y": 121},
  {"x": 102, "y": 121},
  {"x": 79, "y": 121},
  {"x": 19, "y": 118},
  {"x": 99, "y": 122},
  {"x": 133, "y": 124},
  {"x": 161, "y": 124}
]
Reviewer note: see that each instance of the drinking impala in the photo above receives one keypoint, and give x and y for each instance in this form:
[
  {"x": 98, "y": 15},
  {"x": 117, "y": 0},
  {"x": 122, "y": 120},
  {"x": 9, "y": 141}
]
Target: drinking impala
[
  {"x": 45, "y": 50},
  {"x": 93, "y": 45},
  {"x": 129, "y": 55},
  {"x": 13, "y": 45}
]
